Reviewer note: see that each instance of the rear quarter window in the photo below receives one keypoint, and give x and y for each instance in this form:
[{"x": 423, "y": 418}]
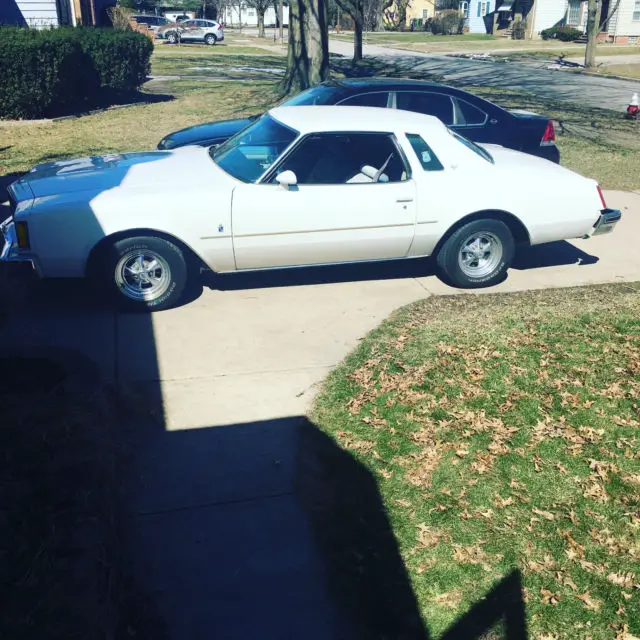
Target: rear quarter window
[{"x": 426, "y": 156}]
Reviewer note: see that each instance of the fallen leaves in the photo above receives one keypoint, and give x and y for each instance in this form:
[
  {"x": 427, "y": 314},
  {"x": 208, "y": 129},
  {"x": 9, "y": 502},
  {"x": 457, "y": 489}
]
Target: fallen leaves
[
  {"x": 428, "y": 537},
  {"x": 622, "y": 579},
  {"x": 589, "y": 602},
  {"x": 547, "y": 515},
  {"x": 548, "y": 597}
]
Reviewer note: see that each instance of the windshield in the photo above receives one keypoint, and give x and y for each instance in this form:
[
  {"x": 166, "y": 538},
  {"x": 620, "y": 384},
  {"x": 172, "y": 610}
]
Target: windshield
[
  {"x": 483, "y": 153},
  {"x": 322, "y": 94},
  {"x": 248, "y": 154}
]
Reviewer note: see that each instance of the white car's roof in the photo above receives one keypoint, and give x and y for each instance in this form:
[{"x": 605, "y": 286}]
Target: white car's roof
[{"x": 309, "y": 119}]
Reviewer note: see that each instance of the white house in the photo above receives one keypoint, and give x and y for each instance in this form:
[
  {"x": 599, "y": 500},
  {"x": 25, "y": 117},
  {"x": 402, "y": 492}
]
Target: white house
[
  {"x": 241, "y": 14},
  {"x": 52, "y": 13}
]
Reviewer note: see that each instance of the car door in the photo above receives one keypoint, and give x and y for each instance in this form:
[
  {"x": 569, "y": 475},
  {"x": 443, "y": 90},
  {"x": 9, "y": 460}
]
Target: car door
[
  {"x": 335, "y": 212},
  {"x": 191, "y": 30}
]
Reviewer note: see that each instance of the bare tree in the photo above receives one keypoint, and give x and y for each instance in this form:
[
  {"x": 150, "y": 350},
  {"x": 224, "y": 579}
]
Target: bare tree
[
  {"x": 356, "y": 11},
  {"x": 308, "y": 54},
  {"x": 594, "y": 27},
  {"x": 261, "y": 7}
]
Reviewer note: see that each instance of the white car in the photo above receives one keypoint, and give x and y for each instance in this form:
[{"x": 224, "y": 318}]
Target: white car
[
  {"x": 299, "y": 186},
  {"x": 206, "y": 31}
]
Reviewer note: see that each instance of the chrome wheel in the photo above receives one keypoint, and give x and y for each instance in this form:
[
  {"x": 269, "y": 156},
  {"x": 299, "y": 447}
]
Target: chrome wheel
[
  {"x": 480, "y": 254},
  {"x": 142, "y": 274}
]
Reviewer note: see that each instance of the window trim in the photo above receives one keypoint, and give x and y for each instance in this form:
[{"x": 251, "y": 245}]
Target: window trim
[{"x": 269, "y": 175}]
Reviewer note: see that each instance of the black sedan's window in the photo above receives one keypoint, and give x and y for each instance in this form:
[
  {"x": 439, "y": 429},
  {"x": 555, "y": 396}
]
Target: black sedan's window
[
  {"x": 432, "y": 104},
  {"x": 378, "y": 99},
  {"x": 469, "y": 115}
]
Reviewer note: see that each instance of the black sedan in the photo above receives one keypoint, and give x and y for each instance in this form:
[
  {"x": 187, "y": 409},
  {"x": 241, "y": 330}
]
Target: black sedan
[{"x": 473, "y": 117}]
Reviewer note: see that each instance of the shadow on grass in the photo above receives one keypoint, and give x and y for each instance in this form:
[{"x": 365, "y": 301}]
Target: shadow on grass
[{"x": 401, "y": 67}]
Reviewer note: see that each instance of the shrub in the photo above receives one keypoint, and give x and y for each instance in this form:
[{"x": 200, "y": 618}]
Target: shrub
[
  {"x": 518, "y": 30},
  {"x": 448, "y": 22},
  {"x": 51, "y": 72},
  {"x": 564, "y": 33},
  {"x": 42, "y": 73}
]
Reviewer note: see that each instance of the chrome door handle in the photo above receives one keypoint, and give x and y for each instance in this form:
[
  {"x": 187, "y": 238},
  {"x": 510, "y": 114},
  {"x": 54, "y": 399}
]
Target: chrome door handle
[{"x": 405, "y": 200}]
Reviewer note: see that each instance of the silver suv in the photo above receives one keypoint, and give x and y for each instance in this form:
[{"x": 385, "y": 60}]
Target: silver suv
[{"x": 206, "y": 31}]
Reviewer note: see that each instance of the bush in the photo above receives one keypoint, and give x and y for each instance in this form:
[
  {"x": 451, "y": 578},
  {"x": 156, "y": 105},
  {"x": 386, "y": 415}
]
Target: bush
[
  {"x": 41, "y": 73},
  {"x": 564, "y": 33},
  {"x": 51, "y": 72},
  {"x": 518, "y": 30},
  {"x": 447, "y": 23}
]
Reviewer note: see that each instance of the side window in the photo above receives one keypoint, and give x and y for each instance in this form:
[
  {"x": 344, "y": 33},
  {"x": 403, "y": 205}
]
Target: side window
[
  {"x": 380, "y": 99},
  {"x": 468, "y": 115},
  {"x": 427, "y": 158},
  {"x": 432, "y": 104},
  {"x": 346, "y": 158}
]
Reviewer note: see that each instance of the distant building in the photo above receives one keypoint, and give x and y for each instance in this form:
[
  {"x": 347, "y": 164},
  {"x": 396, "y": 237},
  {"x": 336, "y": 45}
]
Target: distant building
[{"x": 235, "y": 15}]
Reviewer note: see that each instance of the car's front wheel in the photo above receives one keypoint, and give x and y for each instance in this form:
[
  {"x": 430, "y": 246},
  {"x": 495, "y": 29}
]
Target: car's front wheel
[
  {"x": 477, "y": 254},
  {"x": 172, "y": 38},
  {"x": 144, "y": 272},
  {"x": 210, "y": 39}
]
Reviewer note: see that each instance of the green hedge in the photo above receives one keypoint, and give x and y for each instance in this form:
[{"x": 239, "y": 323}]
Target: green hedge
[
  {"x": 53, "y": 72},
  {"x": 564, "y": 33}
]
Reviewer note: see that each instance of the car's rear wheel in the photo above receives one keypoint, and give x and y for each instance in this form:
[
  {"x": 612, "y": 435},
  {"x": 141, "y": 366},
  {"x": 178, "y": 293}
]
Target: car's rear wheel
[
  {"x": 210, "y": 39},
  {"x": 477, "y": 254},
  {"x": 172, "y": 38},
  {"x": 144, "y": 272}
]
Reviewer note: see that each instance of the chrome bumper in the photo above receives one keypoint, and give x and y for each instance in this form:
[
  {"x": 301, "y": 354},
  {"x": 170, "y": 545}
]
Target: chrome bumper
[
  {"x": 608, "y": 219},
  {"x": 10, "y": 252}
]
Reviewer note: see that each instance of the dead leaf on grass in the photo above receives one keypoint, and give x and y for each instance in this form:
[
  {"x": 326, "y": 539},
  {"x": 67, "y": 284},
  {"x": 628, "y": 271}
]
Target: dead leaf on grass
[
  {"x": 589, "y": 602},
  {"x": 547, "y": 515},
  {"x": 428, "y": 537},
  {"x": 473, "y": 554},
  {"x": 548, "y": 597},
  {"x": 451, "y": 599},
  {"x": 625, "y": 580}
]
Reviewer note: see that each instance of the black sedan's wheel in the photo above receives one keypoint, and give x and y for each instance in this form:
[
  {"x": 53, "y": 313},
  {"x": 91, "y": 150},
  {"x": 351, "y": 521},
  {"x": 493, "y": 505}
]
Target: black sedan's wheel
[
  {"x": 144, "y": 273},
  {"x": 210, "y": 39},
  {"x": 477, "y": 254},
  {"x": 172, "y": 38}
]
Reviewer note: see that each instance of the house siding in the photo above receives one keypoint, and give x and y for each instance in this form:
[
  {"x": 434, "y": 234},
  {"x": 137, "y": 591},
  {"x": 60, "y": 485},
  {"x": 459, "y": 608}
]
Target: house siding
[
  {"x": 478, "y": 24},
  {"x": 549, "y": 13},
  {"x": 39, "y": 13},
  {"x": 622, "y": 23}
]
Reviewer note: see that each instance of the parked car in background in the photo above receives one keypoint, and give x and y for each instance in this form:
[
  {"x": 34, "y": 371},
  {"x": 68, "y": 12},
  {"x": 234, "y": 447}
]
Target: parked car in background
[
  {"x": 299, "y": 186},
  {"x": 207, "y": 31},
  {"x": 153, "y": 22},
  {"x": 476, "y": 119}
]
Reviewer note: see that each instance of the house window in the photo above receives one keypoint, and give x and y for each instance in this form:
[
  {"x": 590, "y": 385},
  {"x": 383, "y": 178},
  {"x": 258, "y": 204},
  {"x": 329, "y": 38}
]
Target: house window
[
  {"x": 636, "y": 11},
  {"x": 425, "y": 14},
  {"x": 575, "y": 7},
  {"x": 463, "y": 7},
  {"x": 483, "y": 8}
]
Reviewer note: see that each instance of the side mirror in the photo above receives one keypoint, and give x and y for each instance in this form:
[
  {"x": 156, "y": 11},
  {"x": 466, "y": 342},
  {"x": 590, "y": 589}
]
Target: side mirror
[{"x": 287, "y": 179}]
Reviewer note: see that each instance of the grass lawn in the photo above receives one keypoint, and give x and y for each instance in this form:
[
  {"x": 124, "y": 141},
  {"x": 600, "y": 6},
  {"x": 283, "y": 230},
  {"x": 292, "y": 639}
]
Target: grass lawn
[
  {"x": 503, "y": 432},
  {"x": 626, "y": 70},
  {"x": 417, "y": 36}
]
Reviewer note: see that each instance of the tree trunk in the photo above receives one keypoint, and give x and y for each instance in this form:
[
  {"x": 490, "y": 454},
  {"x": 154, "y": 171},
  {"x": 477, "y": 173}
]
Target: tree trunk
[
  {"x": 308, "y": 53},
  {"x": 357, "y": 34},
  {"x": 260, "y": 23},
  {"x": 280, "y": 20},
  {"x": 593, "y": 29}
]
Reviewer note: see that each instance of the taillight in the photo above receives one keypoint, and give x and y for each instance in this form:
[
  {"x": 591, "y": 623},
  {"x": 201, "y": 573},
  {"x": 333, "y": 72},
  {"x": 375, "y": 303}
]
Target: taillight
[
  {"x": 604, "y": 204},
  {"x": 549, "y": 136},
  {"x": 22, "y": 234}
]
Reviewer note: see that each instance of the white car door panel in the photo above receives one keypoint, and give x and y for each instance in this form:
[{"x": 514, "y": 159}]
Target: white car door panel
[{"x": 314, "y": 224}]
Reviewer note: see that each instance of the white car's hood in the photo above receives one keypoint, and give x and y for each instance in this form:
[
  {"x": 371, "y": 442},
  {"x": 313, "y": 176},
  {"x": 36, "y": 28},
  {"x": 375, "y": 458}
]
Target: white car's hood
[{"x": 101, "y": 173}]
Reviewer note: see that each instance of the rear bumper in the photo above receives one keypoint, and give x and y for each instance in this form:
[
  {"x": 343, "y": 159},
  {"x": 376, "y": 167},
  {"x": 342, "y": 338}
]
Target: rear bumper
[
  {"x": 606, "y": 223},
  {"x": 10, "y": 251}
]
